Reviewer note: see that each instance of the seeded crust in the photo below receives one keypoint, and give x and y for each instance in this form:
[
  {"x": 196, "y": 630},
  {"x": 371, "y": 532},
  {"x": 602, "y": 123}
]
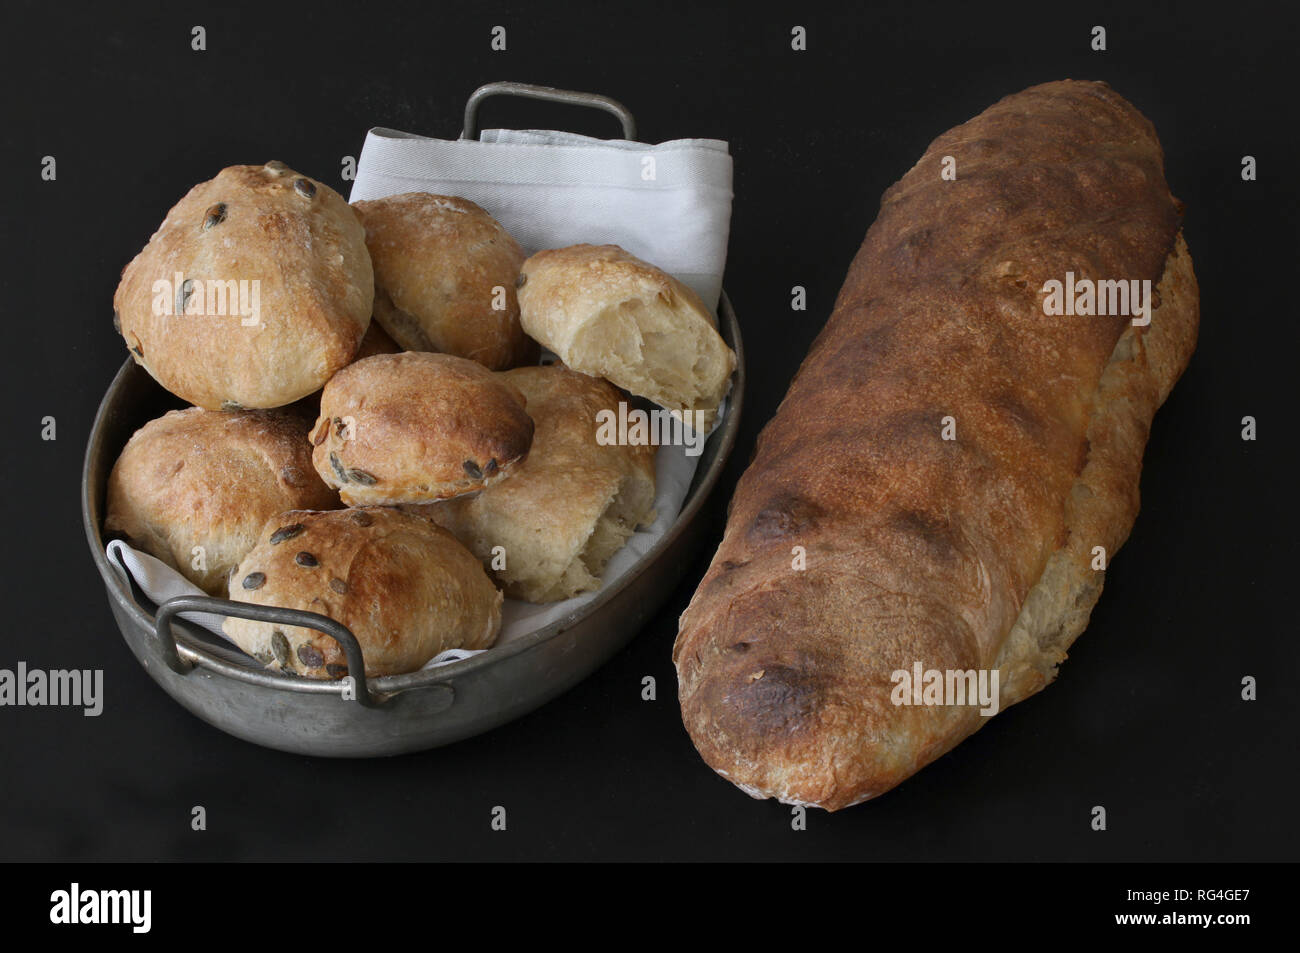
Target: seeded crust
[
  {"x": 423, "y": 427},
  {"x": 438, "y": 261},
  {"x": 966, "y": 554},
  {"x": 304, "y": 246},
  {"x": 205, "y": 478},
  {"x": 570, "y": 506},
  {"x": 608, "y": 314},
  {"x": 404, "y": 587}
]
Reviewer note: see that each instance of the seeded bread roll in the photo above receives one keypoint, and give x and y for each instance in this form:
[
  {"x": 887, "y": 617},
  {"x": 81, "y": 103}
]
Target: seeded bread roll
[
  {"x": 445, "y": 276},
  {"x": 255, "y": 289},
  {"x": 611, "y": 315},
  {"x": 947, "y": 457},
  {"x": 416, "y": 427},
  {"x": 202, "y": 478},
  {"x": 570, "y": 506},
  {"x": 404, "y": 587}
]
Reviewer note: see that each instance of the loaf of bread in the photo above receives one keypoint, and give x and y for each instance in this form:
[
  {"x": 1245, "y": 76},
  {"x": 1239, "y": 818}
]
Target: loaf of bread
[
  {"x": 416, "y": 426},
  {"x": 445, "y": 276},
  {"x": 194, "y": 487},
  {"x": 935, "y": 486},
  {"x": 547, "y": 532},
  {"x": 611, "y": 315},
  {"x": 255, "y": 289},
  {"x": 404, "y": 587}
]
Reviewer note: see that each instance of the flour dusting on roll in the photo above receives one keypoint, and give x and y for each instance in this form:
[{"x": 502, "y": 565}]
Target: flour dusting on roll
[
  {"x": 194, "y": 487},
  {"x": 255, "y": 289}
]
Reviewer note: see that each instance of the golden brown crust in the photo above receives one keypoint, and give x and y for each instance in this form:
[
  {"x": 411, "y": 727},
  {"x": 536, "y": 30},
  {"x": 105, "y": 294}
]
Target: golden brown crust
[
  {"x": 416, "y": 427},
  {"x": 609, "y": 314},
  {"x": 442, "y": 267},
  {"x": 920, "y": 548},
  {"x": 206, "y": 478},
  {"x": 404, "y": 587},
  {"x": 299, "y": 252},
  {"x": 569, "y": 506}
]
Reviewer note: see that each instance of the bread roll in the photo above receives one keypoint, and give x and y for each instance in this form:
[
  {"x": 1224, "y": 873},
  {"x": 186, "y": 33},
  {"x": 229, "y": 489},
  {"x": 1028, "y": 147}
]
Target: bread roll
[
  {"x": 255, "y": 289},
  {"x": 611, "y": 315},
  {"x": 968, "y": 554},
  {"x": 201, "y": 478},
  {"x": 416, "y": 427},
  {"x": 445, "y": 275},
  {"x": 567, "y": 508},
  {"x": 404, "y": 587}
]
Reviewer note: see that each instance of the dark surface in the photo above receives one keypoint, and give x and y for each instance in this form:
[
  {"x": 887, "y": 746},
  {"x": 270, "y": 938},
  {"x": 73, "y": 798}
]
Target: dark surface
[{"x": 1146, "y": 718}]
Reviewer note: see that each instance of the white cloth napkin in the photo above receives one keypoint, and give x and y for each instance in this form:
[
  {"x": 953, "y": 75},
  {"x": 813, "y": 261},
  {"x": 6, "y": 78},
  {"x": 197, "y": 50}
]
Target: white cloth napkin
[{"x": 550, "y": 189}]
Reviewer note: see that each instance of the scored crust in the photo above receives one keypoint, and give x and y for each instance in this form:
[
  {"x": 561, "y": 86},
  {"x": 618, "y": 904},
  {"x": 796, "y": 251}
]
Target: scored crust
[
  {"x": 206, "y": 478},
  {"x": 297, "y": 251},
  {"x": 404, "y": 587},
  {"x": 445, "y": 275},
  {"x": 566, "y": 509},
  {"x": 416, "y": 427},
  {"x": 608, "y": 314}
]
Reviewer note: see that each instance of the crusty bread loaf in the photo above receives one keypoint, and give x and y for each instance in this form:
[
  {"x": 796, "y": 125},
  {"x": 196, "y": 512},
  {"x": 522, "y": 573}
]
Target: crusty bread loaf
[
  {"x": 611, "y": 315},
  {"x": 416, "y": 427},
  {"x": 202, "y": 478},
  {"x": 255, "y": 289},
  {"x": 404, "y": 587},
  {"x": 567, "y": 508},
  {"x": 966, "y": 554},
  {"x": 445, "y": 276}
]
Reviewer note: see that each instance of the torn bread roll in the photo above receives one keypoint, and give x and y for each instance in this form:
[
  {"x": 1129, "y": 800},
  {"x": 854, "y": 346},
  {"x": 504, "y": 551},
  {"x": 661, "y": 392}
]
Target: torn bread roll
[
  {"x": 445, "y": 277},
  {"x": 548, "y": 531},
  {"x": 611, "y": 315},
  {"x": 415, "y": 427},
  {"x": 948, "y": 458},
  {"x": 404, "y": 587}
]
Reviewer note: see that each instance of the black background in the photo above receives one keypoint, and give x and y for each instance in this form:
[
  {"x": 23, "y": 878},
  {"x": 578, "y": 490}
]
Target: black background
[{"x": 1146, "y": 718}]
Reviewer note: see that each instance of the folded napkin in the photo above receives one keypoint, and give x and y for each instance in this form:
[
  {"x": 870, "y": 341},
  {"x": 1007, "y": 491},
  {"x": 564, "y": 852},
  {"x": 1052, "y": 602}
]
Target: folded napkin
[
  {"x": 551, "y": 189},
  {"x": 668, "y": 204}
]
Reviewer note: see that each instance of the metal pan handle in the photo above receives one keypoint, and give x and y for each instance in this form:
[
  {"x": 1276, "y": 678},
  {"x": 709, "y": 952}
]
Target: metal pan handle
[
  {"x": 247, "y": 610},
  {"x": 528, "y": 91}
]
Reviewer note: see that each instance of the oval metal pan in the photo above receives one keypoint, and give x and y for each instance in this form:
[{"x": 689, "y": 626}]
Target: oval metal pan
[{"x": 411, "y": 712}]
